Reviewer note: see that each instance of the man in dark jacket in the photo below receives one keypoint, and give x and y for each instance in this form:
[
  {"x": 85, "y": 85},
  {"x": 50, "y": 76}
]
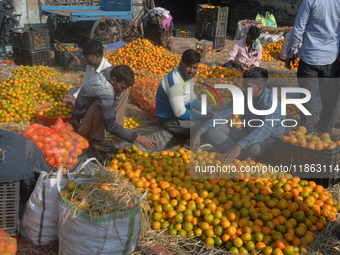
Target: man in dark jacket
[{"x": 95, "y": 109}]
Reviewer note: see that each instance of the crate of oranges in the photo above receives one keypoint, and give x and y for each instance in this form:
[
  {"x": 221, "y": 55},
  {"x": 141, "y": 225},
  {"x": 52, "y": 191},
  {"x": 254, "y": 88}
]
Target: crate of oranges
[
  {"x": 208, "y": 12},
  {"x": 49, "y": 114},
  {"x": 62, "y": 56},
  {"x": 30, "y": 39},
  {"x": 309, "y": 155}
]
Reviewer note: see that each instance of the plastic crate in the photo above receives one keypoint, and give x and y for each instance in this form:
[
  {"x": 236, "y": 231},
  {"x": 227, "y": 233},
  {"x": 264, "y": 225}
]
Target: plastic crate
[
  {"x": 16, "y": 56},
  {"x": 216, "y": 14},
  {"x": 115, "y": 5},
  {"x": 60, "y": 55},
  {"x": 30, "y": 39},
  {"x": 9, "y": 207},
  {"x": 218, "y": 42},
  {"x": 214, "y": 29},
  {"x": 74, "y": 65},
  {"x": 291, "y": 155},
  {"x": 32, "y": 58}
]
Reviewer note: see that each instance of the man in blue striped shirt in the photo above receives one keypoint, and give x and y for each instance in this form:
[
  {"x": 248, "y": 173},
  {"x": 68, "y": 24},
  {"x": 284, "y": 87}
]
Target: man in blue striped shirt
[
  {"x": 254, "y": 142},
  {"x": 176, "y": 101},
  {"x": 317, "y": 25}
]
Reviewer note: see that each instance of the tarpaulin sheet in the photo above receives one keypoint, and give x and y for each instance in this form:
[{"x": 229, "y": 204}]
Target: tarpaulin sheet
[
  {"x": 114, "y": 46},
  {"x": 154, "y": 131},
  {"x": 19, "y": 157}
]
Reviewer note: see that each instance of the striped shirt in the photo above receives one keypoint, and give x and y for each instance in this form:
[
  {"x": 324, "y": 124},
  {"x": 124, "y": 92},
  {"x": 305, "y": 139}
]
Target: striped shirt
[
  {"x": 174, "y": 97},
  {"x": 254, "y": 134},
  {"x": 99, "y": 86}
]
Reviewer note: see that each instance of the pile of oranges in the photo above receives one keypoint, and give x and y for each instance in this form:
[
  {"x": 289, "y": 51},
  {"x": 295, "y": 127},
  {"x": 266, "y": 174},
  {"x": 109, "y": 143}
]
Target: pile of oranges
[
  {"x": 142, "y": 55},
  {"x": 130, "y": 123},
  {"x": 57, "y": 110},
  {"x": 242, "y": 211},
  {"x": 272, "y": 51},
  {"x": 205, "y": 71},
  {"x": 312, "y": 141},
  {"x": 55, "y": 90},
  {"x": 236, "y": 121},
  {"x": 29, "y": 86}
]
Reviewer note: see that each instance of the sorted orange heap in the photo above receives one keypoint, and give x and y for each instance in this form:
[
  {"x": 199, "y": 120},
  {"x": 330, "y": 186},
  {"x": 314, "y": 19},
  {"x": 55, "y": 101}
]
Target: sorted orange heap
[
  {"x": 241, "y": 211},
  {"x": 57, "y": 109},
  {"x": 312, "y": 141},
  {"x": 28, "y": 87},
  {"x": 272, "y": 51}
]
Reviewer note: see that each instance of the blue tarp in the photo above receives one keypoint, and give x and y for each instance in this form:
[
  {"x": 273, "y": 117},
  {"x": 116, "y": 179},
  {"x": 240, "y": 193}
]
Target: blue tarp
[{"x": 114, "y": 46}]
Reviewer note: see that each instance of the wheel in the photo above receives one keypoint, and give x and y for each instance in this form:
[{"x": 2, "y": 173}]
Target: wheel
[{"x": 106, "y": 31}]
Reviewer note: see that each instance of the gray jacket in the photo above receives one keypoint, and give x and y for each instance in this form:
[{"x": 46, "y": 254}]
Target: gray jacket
[{"x": 99, "y": 86}]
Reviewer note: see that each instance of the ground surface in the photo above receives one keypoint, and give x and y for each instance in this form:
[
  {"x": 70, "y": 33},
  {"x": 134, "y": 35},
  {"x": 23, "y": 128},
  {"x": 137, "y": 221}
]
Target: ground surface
[{"x": 133, "y": 110}]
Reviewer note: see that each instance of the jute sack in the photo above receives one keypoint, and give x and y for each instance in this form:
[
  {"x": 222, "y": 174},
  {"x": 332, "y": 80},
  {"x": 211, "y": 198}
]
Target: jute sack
[{"x": 178, "y": 45}]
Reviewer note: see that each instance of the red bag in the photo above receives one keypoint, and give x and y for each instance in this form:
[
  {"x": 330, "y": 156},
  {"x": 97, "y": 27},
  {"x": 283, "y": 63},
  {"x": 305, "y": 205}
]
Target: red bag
[
  {"x": 59, "y": 144},
  {"x": 8, "y": 244}
]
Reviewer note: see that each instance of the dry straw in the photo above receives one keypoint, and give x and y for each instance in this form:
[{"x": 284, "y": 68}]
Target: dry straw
[{"x": 106, "y": 192}]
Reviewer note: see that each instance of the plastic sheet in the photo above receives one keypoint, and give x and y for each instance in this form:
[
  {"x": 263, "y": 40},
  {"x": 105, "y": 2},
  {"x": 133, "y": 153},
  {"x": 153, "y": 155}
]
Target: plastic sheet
[
  {"x": 19, "y": 157},
  {"x": 164, "y": 139},
  {"x": 113, "y": 46}
]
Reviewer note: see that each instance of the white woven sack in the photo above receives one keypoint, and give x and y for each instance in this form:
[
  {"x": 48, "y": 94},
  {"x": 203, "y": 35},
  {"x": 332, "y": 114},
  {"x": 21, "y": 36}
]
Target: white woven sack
[
  {"x": 107, "y": 235},
  {"x": 40, "y": 220}
]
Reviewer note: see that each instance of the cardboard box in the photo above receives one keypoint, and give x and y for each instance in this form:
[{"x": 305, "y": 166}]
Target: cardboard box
[{"x": 205, "y": 48}]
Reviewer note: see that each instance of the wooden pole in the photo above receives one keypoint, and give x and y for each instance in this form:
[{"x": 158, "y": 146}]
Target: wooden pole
[{"x": 74, "y": 56}]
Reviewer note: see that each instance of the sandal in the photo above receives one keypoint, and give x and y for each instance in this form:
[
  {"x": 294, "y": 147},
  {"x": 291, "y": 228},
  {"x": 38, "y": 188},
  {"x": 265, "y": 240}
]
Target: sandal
[{"x": 99, "y": 146}]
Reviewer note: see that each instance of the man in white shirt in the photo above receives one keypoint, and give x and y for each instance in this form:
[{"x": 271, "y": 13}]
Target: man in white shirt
[{"x": 93, "y": 52}]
